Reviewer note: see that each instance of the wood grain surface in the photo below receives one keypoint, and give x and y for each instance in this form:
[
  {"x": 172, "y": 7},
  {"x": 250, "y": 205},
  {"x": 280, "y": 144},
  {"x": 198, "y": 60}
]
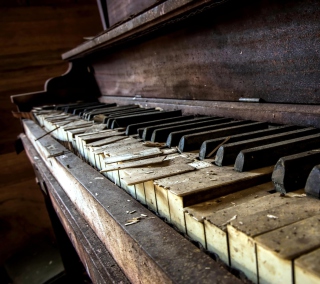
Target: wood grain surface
[{"x": 32, "y": 39}]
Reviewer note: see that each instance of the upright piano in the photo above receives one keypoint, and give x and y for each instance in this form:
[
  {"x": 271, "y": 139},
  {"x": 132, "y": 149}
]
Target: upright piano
[{"x": 184, "y": 143}]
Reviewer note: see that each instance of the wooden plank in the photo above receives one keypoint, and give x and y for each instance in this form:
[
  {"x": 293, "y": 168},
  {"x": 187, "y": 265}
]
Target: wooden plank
[
  {"x": 243, "y": 231},
  {"x": 205, "y": 184},
  {"x": 277, "y": 249},
  {"x": 196, "y": 214},
  {"x": 269, "y": 154},
  {"x": 291, "y": 172},
  {"x": 306, "y": 268}
]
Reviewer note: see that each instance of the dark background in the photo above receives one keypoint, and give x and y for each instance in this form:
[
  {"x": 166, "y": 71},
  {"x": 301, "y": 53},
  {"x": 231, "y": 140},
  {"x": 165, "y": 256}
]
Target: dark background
[{"x": 33, "y": 35}]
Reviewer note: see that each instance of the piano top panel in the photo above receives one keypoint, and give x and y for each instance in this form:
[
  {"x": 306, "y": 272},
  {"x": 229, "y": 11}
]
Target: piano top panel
[
  {"x": 140, "y": 24},
  {"x": 119, "y": 11},
  {"x": 264, "y": 50}
]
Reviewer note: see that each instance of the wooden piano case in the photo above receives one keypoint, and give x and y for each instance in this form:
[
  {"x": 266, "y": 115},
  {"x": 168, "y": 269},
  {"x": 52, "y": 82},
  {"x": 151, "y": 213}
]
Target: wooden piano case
[{"x": 255, "y": 60}]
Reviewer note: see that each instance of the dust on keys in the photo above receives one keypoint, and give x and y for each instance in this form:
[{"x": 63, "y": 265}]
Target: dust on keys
[{"x": 231, "y": 208}]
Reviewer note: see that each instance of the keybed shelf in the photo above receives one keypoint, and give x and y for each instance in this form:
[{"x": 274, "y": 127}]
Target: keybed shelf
[{"x": 228, "y": 210}]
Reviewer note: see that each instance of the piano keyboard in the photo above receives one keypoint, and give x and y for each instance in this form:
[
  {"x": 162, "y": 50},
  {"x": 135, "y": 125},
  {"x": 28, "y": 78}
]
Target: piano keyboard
[{"x": 212, "y": 178}]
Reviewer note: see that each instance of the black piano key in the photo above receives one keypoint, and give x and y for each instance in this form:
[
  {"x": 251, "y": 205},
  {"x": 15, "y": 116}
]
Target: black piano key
[
  {"x": 65, "y": 107},
  {"x": 124, "y": 112},
  {"x": 99, "y": 106},
  {"x": 70, "y": 108},
  {"x": 191, "y": 141},
  {"x": 147, "y": 132},
  {"x": 87, "y": 109},
  {"x": 163, "y": 121},
  {"x": 125, "y": 117},
  {"x": 127, "y": 112},
  {"x": 107, "y": 112},
  {"x": 125, "y": 121},
  {"x": 161, "y": 134},
  {"x": 172, "y": 117},
  {"x": 291, "y": 172},
  {"x": 181, "y": 119},
  {"x": 268, "y": 155},
  {"x": 77, "y": 110},
  {"x": 227, "y": 153},
  {"x": 312, "y": 187},
  {"x": 91, "y": 108},
  {"x": 209, "y": 145},
  {"x": 174, "y": 137}
]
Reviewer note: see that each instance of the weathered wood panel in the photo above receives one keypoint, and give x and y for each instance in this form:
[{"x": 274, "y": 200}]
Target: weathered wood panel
[
  {"x": 239, "y": 50},
  {"x": 119, "y": 11}
]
